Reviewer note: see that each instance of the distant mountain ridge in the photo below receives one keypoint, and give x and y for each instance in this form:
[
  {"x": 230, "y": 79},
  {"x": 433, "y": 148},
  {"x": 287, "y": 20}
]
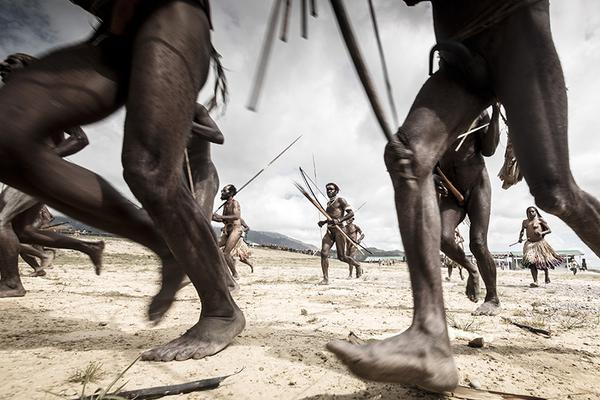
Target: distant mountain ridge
[
  {"x": 259, "y": 237},
  {"x": 263, "y": 238}
]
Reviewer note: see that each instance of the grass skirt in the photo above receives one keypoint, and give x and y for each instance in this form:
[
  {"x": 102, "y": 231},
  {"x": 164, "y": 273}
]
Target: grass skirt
[{"x": 540, "y": 255}]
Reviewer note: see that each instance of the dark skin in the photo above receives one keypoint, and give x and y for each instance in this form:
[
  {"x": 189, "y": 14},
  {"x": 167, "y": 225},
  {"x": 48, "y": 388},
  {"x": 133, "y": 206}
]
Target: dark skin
[
  {"x": 20, "y": 212},
  {"x": 160, "y": 51},
  {"x": 232, "y": 232},
  {"x": 466, "y": 170},
  {"x": 535, "y": 228},
  {"x": 355, "y": 233},
  {"x": 536, "y": 105},
  {"x": 338, "y": 210},
  {"x": 451, "y": 263}
]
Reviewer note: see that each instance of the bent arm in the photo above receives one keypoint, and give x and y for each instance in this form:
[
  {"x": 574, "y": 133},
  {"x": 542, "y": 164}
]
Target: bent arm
[{"x": 76, "y": 140}]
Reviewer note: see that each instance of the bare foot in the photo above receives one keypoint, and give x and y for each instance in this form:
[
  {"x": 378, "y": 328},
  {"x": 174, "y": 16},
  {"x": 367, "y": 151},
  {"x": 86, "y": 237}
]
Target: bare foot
[
  {"x": 547, "y": 281},
  {"x": 11, "y": 289},
  {"x": 324, "y": 282},
  {"x": 38, "y": 272},
  {"x": 411, "y": 358},
  {"x": 95, "y": 251},
  {"x": 489, "y": 308},
  {"x": 472, "y": 290},
  {"x": 533, "y": 285},
  {"x": 447, "y": 279},
  {"x": 349, "y": 276},
  {"x": 209, "y": 336},
  {"x": 359, "y": 272}
]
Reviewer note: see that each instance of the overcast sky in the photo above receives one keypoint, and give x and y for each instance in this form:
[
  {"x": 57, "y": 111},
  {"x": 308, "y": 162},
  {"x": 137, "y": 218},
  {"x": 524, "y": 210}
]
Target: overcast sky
[{"x": 311, "y": 89}]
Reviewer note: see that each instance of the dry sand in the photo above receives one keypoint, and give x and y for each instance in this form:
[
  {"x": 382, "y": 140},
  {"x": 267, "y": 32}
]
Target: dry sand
[{"x": 71, "y": 318}]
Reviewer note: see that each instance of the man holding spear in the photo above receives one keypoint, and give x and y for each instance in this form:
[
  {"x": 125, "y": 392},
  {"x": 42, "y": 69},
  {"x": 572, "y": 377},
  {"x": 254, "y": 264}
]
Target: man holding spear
[{"x": 339, "y": 211}]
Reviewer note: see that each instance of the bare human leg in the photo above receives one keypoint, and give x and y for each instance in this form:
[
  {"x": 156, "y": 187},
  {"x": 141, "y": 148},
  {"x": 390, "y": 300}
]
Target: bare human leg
[
  {"x": 420, "y": 355},
  {"x": 232, "y": 240},
  {"x": 170, "y": 60},
  {"x": 326, "y": 245},
  {"x": 451, "y": 216},
  {"x": 29, "y": 253},
  {"x": 478, "y": 210},
  {"x": 24, "y": 227}
]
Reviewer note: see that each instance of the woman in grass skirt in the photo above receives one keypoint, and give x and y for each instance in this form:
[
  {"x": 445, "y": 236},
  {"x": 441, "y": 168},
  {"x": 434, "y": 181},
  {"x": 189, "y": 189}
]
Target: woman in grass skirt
[{"x": 537, "y": 253}]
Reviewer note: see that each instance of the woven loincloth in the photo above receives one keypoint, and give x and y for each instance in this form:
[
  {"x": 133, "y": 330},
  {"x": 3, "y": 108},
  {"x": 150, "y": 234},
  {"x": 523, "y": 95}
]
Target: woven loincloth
[{"x": 540, "y": 255}]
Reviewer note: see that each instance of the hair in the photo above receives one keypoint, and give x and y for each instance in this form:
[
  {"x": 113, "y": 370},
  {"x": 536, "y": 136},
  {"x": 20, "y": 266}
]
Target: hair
[
  {"x": 337, "y": 188},
  {"x": 536, "y": 211},
  {"x": 230, "y": 188}
]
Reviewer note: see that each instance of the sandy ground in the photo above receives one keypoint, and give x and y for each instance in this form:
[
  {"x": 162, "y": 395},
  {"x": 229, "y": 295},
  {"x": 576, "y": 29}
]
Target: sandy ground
[{"x": 71, "y": 318}]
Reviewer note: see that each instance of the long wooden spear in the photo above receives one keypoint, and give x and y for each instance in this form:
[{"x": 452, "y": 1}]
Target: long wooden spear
[
  {"x": 263, "y": 169},
  {"x": 365, "y": 78}
]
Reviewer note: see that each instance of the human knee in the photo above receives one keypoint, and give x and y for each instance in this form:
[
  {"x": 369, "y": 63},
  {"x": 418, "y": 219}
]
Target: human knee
[
  {"x": 406, "y": 161},
  {"x": 145, "y": 179},
  {"x": 555, "y": 198},
  {"x": 478, "y": 246}
]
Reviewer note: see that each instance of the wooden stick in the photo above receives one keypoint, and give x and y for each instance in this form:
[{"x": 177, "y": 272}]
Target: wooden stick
[
  {"x": 531, "y": 329},
  {"x": 365, "y": 78},
  {"x": 304, "y": 13},
  {"x": 169, "y": 390},
  {"x": 265, "y": 52},
  {"x": 451, "y": 187},
  {"x": 286, "y": 20}
]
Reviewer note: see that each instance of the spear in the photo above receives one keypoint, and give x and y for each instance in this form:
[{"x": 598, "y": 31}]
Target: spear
[
  {"x": 265, "y": 52},
  {"x": 263, "y": 169},
  {"x": 365, "y": 78},
  {"x": 304, "y": 176}
]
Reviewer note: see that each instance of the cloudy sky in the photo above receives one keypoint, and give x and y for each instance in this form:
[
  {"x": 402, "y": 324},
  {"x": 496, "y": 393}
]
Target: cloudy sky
[{"x": 311, "y": 89}]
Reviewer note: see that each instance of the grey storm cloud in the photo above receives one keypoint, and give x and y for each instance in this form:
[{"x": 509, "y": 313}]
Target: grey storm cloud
[{"x": 311, "y": 89}]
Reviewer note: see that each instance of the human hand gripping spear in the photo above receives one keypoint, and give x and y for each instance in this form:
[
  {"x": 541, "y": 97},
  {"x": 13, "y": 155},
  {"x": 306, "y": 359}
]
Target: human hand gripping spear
[{"x": 263, "y": 169}]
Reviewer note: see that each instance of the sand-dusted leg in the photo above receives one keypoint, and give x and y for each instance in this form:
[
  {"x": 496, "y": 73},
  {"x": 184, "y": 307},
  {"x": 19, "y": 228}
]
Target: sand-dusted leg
[
  {"x": 326, "y": 245},
  {"x": 451, "y": 215},
  {"x": 170, "y": 60},
  {"x": 421, "y": 355},
  {"x": 478, "y": 210}
]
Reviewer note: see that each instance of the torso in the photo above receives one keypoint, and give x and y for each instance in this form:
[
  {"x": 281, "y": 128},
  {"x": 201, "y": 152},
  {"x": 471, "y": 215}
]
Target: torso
[
  {"x": 533, "y": 229},
  {"x": 337, "y": 207},
  {"x": 229, "y": 209}
]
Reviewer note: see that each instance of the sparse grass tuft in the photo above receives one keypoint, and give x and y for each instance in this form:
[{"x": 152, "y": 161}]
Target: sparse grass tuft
[
  {"x": 470, "y": 325},
  {"x": 91, "y": 374}
]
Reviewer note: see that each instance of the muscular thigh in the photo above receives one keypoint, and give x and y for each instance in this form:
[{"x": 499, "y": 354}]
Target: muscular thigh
[
  {"x": 529, "y": 81},
  {"x": 69, "y": 87},
  {"x": 171, "y": 54},
  {"x": 451, "y": 215},
  {"x": 232, "y": 240}
]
